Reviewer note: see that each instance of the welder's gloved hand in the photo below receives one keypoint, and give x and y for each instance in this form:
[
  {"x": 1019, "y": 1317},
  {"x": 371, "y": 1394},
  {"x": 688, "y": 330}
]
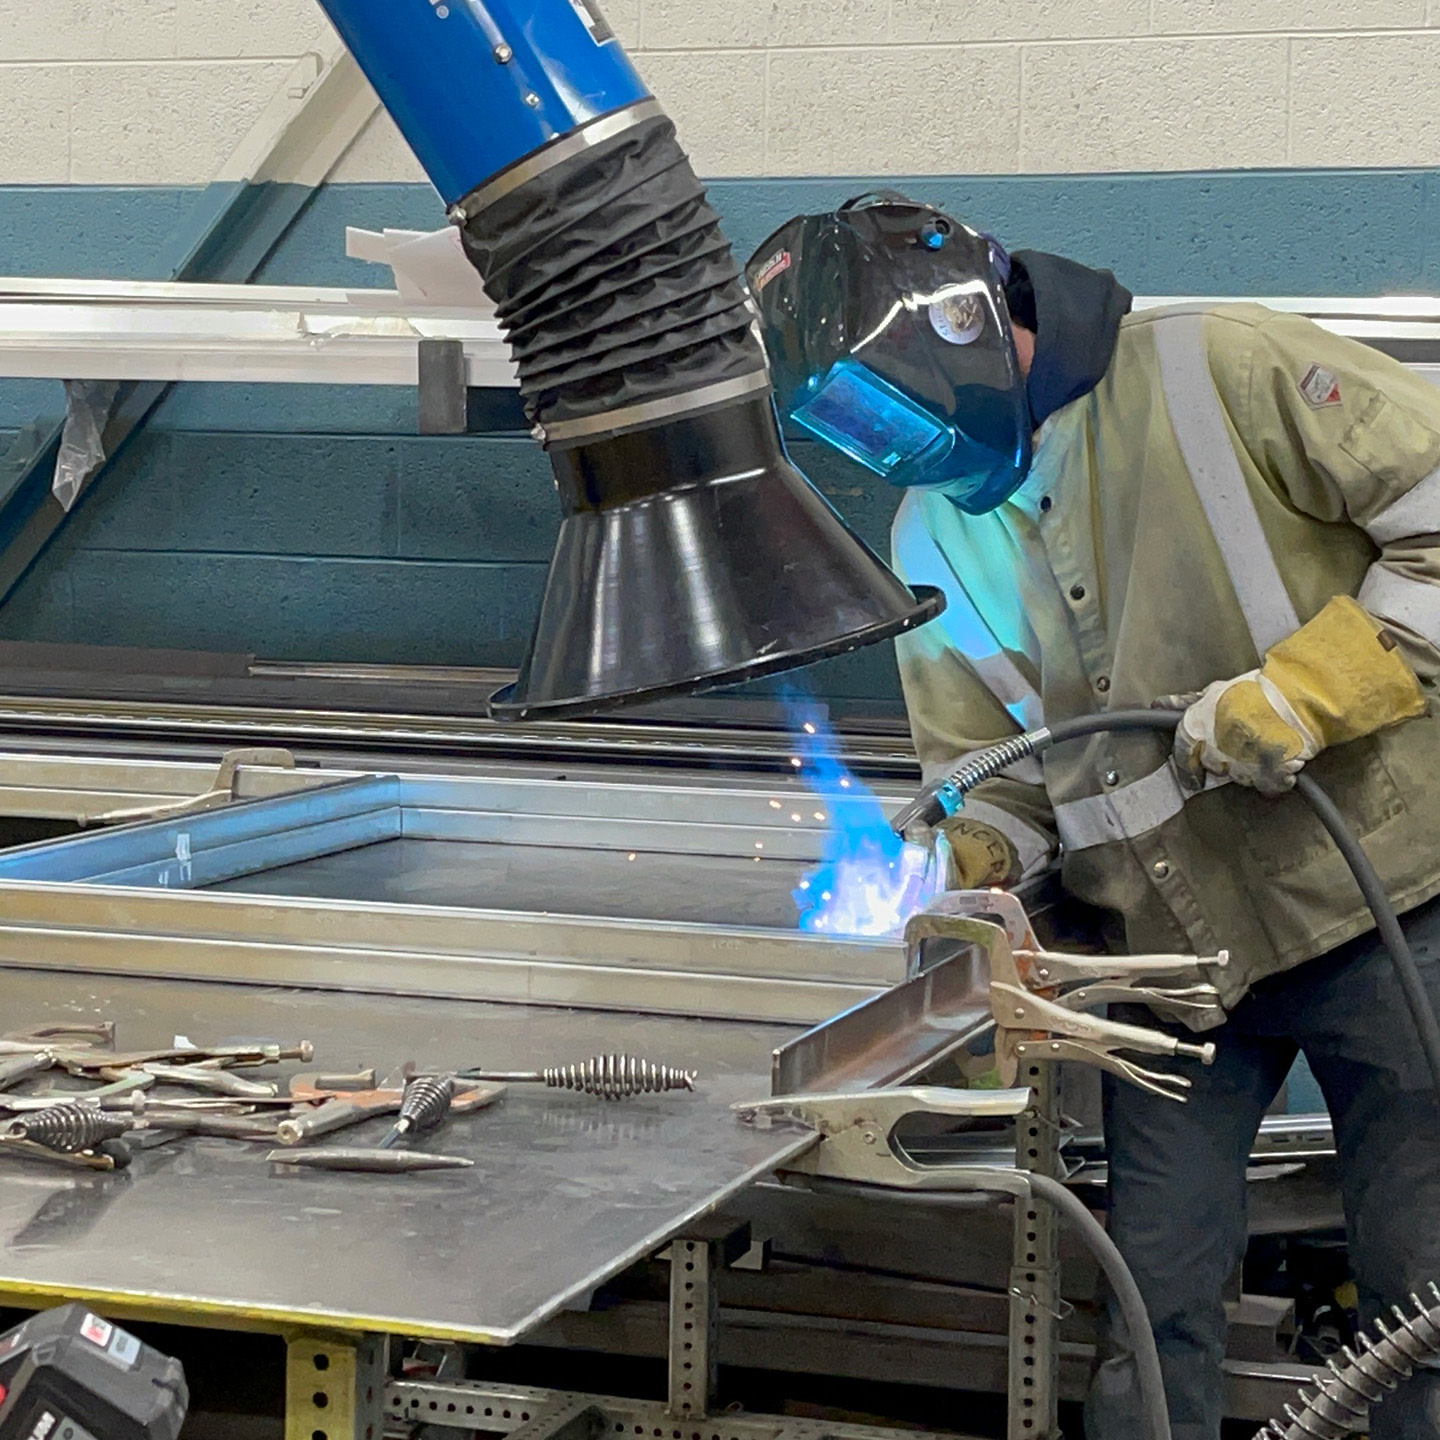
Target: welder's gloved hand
[
  {"x": 980, "y": 855},
  {"x": 1337, "y": 678}
]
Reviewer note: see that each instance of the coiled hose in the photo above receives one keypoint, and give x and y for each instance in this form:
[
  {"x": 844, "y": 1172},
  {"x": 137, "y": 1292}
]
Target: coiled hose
[
  {"x": 1381, "y": 1365},
  {"x": 1343, "y": 1398}
]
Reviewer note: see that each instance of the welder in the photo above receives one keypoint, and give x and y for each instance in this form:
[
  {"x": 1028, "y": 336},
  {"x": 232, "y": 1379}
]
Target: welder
[{"x": 1227, "y": 510}]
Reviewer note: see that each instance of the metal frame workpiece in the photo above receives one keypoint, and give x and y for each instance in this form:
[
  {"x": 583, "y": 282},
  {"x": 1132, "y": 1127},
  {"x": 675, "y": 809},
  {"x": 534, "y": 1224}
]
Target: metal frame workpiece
[
  {"x": 138, "y": 899},
  {"x": 465, "y": 1250}
]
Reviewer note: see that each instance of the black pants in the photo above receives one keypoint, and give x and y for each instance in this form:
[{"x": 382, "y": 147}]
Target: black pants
[{"x": 1177, "y": 1175}]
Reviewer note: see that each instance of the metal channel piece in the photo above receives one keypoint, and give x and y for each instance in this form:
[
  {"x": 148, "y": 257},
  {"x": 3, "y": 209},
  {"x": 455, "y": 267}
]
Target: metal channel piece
[
  {"x": 87, "y": 786},
  {"x": 152, "y": 848},
  {"x": 892, "y": 1038},
  {"x": 148, "y": 332},
  {"x": 83, "y": 787},
  {"x": 64, "y": 909},
  {"x": 735, "y": 822},
  {"x": 185, "y": 868},
  {"x": 890, "y": 754},
  {"x": 57, "y": 938},
  {"x": 699, "y": 819}
]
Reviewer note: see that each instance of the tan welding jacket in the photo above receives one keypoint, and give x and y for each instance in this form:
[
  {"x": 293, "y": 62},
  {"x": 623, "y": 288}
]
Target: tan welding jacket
[{"x": 1234, "y": 470}]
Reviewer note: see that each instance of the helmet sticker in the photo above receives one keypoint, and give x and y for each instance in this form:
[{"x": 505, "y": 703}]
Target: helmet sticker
[
  {"x": 958, "y": 319},
  {"x": 777, "y": 264}
]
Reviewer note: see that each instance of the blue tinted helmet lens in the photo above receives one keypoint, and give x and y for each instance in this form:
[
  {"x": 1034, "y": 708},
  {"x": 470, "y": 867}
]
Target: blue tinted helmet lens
[{"x": 869, "y": 420}]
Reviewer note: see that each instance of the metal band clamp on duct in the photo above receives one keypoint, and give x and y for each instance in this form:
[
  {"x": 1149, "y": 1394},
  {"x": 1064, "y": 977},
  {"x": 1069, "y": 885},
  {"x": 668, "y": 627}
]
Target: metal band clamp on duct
[{"x": 692, "y": 552}]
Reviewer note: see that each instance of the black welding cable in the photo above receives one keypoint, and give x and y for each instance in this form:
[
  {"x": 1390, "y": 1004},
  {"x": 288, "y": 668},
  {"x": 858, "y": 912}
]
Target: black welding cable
[
  {"x": 1387, "y": 921},
  {"x": 1100, "y": 1245},
  {"x": 1127, "y": 1294}
]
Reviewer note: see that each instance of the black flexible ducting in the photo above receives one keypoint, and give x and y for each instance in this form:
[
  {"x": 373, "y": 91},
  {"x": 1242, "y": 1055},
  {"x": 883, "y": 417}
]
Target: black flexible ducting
[
  {"x": 612, "y": 279},
  {"x": 1100, "y": 1245}
]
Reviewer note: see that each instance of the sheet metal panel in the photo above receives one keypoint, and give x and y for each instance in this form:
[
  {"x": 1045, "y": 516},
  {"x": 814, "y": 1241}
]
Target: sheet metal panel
[{"x": 566, "y": 1190}]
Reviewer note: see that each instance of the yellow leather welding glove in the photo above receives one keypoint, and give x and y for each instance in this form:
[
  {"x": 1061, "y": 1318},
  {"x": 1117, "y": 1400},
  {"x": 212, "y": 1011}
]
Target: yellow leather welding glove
[
  {"x": 980, "y": 855},
  {"x": 1337, "y": 678}
]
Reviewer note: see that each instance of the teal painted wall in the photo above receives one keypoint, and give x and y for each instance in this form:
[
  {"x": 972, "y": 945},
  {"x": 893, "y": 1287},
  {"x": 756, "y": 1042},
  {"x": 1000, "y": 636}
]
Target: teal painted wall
[{"x": 312, "y": 523}]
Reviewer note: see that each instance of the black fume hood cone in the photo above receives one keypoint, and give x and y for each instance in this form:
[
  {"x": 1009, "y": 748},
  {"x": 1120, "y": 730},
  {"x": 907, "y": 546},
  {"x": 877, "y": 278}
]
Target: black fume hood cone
[{"x": 694, "y": 554}]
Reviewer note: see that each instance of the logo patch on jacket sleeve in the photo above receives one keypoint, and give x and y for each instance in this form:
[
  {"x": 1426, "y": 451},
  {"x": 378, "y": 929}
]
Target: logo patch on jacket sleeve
[{"x": 1320, "y": 388}]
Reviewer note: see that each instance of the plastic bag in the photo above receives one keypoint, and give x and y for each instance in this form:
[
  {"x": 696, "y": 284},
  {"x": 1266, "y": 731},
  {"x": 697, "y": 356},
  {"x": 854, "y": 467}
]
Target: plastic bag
[{"x": 82, "y": 443}]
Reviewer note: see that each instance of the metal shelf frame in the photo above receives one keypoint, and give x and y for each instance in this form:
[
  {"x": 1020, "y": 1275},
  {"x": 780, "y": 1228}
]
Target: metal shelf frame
[
  {"x": 133, "y": 330},
  {"x": 128, "y": 330}
]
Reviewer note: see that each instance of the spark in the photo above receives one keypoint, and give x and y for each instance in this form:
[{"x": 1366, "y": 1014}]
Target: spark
[
  {"x": 631, "y": 855},
  {"x": 869, "y": 881},
  {"x": 759, "y": 844},
  {"x": 774, "y": 804},
  {"x": 796, "y": 761},
  {"x": 795, "y": 816}
]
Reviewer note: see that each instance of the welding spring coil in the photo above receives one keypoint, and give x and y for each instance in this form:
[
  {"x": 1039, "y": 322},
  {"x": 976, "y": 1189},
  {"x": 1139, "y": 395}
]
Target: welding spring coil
[
  {"x": 426, "y": 1103},
  {"x": 67, "y": 1129},
  {"x": 617, "y": 1077},
  {"x": 1375, "y": 1367},
  {"x": 994, "y": 759}
]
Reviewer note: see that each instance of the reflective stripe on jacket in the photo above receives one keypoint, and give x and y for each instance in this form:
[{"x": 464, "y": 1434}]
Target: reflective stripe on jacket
[{"x": 1234, "y": 470}]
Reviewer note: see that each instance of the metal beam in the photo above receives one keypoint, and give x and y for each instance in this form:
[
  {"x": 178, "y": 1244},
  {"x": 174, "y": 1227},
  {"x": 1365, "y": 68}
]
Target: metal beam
[
  {"x": 315, "y": 116},
  {"x": 505, "y": 1409},
  {"x": 139, "y": 330}
]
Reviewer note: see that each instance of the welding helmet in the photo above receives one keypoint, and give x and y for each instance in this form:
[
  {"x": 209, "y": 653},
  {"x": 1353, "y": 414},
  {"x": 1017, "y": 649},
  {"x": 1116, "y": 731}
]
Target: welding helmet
[{"x": 889, "y": 338}]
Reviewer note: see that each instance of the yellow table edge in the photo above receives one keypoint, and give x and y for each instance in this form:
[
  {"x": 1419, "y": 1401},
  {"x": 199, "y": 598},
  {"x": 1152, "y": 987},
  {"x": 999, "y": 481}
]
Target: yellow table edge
[{"x": 217, "y": 1314}]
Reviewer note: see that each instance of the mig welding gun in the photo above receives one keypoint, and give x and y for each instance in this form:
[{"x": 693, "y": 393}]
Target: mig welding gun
[{"x": 946, "y": 796}]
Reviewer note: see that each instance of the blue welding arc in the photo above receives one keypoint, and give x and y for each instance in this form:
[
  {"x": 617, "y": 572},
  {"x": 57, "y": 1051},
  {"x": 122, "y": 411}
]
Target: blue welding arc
[{"x": 475, "y": 87}]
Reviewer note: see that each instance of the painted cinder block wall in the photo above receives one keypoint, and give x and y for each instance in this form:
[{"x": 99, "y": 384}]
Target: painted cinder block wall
[
  {"x": 1199, "y": 146},
  {"x": 153, "y": 92}
]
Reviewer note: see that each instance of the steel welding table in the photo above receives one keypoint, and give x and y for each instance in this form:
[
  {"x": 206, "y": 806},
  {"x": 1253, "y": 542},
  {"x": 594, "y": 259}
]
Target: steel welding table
[{"x": 566, "y": 1190}]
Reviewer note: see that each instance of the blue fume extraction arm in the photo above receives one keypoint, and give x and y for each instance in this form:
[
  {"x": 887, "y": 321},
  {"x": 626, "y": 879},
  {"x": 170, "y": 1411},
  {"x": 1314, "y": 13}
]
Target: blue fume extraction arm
[{"x": 692, "y": 552}]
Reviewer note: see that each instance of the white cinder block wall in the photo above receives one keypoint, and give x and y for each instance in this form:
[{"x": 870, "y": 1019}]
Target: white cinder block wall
[{"x": 158, "y": 91}]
